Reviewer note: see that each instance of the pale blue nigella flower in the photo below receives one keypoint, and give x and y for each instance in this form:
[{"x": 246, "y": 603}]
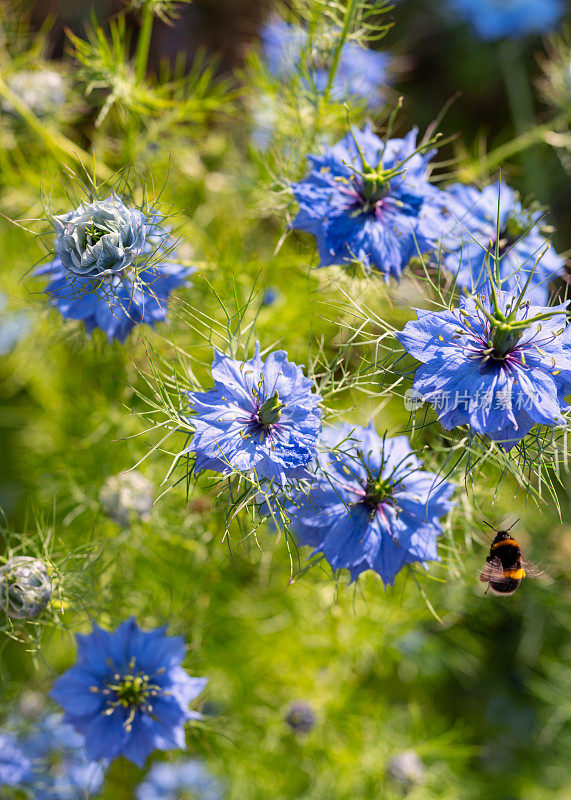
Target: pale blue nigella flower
[
  {"x": 112, "y": 267},
  {"x": 180, "y": 780},
  {"x": 495, "y": 363},
  {"x": 260, "y": 416},
  {"x": 471, "y": 219},
  {"x": 61, "y": 769},
  {"x": 513, "y": 19},
  {"x": 14, "y": 325},
  {"x": 371, "y": 506},
  {"x": 370, "y": 201},
  {"x": 14, "y": 763},
  {"x": 361, "y": 72}
]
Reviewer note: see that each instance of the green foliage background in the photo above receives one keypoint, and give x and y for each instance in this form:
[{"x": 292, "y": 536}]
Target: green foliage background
[{"x": 479, "y": 688}]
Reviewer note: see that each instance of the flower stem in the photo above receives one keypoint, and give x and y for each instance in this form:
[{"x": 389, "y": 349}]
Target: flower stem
[
  {"x": 53, "y": 139},
  {"x": 347, "y": 22},
  {"x": 482, "y": 166},
  {"x": 520, "y": 102},
  {"x": 144, "y": 42}
]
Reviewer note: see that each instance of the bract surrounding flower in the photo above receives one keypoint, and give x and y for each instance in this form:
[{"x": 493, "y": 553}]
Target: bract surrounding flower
[
  {"x": 181, "y": 780},
  {"x": 470, "y": 239},
  {"x": 496, "y": 19},
  {"x": 370, "y": 201},
  {"x": 260, "y": 416},
  {"x": 125, "y": 495},
  {"x": 361, "y": 72},
  {"x": 25, "y": 587},
  {"x": 498, "y": 365},
  {"x": 41, "y": 90},
  {"x": 61, "y": 769},
  {"x": 127, "y": 693},
  {"x": 112, "y": 267},
  {"x": 14, "y": 764},
  {"x": 370, "y": 505}
]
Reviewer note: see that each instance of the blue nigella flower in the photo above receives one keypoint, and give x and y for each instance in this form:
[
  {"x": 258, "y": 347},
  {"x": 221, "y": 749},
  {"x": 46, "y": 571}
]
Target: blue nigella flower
[
  {"x": 495, "y": 363},
  {"x": 111, "y": 267},
  {"x": 370, "y": 201},
  {"x": 514, "y": 19},
  {"x": 260, "y": 416},
  {"x": 180, "y": 780},
  {"x": 469, "y": 240},
  {"x": 61, "y": 769},
  {"x": 361, "y": 72},
  {"x": 127, "y": 693},
  {"x": 371, "y": 506},
  {"x": 15, "y": 765}
]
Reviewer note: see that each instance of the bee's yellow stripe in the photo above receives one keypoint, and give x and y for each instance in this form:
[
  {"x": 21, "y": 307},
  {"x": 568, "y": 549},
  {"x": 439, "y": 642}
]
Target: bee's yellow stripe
[
  {"x": 516, "y": 574},
  {"x": 504, "y": 542}
]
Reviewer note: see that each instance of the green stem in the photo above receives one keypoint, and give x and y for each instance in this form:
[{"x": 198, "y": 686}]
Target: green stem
[
  {"x": 490, "y": 162},
  {"x": 144, "y": 42},
  {"x": 517, "y": 85},
  {"x": 521, "y": 106},
  {"x": 53, "y": 139},
  {"x": 347, "y": 22}
]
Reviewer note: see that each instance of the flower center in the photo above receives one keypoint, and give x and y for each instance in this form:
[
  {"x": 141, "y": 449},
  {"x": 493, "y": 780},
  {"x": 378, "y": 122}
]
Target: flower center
[
  {"x": 132, "y": 692},
  {"x": 377, "y": 491},
  {"x": 94, "y": 233},
  {"x": 504, "y": 337},
  {"x": 271, "y": 410},
  {"x": 374, "y": 184}
]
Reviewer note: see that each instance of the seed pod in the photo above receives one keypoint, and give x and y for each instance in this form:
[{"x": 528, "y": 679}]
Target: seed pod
[
  {"x": 127, "y": 494},
  {"x": 25, "y": 587},
  {"x": 301, "y": 718}
]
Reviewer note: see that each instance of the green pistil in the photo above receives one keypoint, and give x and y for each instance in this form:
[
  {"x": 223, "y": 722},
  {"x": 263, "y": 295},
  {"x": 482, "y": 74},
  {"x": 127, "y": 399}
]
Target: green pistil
[
  {"x": 504, "y": 339},
  {"x": 270, "y": 410},
  {"x": 374, "y": 187},
  {"x": 505, "y": 328},
  {"x": 378, "y": 491},
  {"x": 94, "y": 234}
]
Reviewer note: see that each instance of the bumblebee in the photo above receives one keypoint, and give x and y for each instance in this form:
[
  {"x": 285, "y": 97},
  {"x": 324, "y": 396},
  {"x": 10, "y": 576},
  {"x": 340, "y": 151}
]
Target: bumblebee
[{"x": 505, "y": 566}]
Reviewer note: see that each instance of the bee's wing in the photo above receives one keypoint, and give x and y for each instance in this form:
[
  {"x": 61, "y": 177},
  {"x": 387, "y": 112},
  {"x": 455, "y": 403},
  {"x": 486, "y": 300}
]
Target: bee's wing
[
  {"x": 531, "y": 569},
  {"x": 493, "y": 571}
]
